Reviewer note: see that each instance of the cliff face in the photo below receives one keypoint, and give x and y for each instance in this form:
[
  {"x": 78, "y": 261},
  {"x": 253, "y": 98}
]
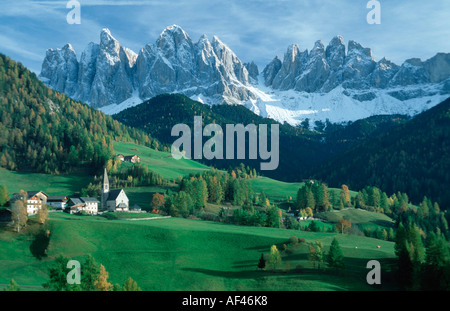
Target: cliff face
[{"x": 335, "y": 82}]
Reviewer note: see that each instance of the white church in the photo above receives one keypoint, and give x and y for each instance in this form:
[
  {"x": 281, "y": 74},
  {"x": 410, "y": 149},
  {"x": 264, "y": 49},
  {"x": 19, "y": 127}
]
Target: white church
[{"x": 113, "y": 200}]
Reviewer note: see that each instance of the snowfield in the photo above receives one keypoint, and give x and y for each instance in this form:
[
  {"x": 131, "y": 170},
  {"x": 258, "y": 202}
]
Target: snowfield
[{"x": 338, "y": 106}]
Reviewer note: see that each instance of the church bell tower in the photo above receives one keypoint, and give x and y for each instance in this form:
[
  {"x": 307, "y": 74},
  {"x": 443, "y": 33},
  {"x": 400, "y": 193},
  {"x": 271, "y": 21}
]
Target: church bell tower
[{"x": 105, "y": 190}]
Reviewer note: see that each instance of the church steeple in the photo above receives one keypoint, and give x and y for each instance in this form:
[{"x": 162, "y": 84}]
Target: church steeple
[{"x": 105, "y": 189}]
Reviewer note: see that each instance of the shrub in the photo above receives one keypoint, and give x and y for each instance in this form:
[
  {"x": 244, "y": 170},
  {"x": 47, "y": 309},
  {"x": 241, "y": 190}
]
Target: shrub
[
  {"x": 208, "y": 216},
  {"x": 293, "y": 240}
]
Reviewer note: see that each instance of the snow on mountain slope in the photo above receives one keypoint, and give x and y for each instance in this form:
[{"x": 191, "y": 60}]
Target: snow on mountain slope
[
  {"x": 331, "y": 82},
  {"x": 339, "y": 105}
]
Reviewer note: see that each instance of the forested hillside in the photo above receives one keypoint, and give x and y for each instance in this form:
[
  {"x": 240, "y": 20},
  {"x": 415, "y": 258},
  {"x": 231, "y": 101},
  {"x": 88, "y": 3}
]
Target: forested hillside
[
  {"x": 301, "y": 148},
  {"x": 412, "y": 158},
  {"x": 45, "y": 131}
]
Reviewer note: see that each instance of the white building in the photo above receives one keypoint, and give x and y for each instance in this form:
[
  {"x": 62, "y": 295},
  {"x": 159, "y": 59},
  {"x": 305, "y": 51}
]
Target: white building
[
  {"x": 35, "y": 200},
  {"x": 113, "y": 200},
  {"x": 58, "y": 202},
  {"x": 78, "y": 205}
]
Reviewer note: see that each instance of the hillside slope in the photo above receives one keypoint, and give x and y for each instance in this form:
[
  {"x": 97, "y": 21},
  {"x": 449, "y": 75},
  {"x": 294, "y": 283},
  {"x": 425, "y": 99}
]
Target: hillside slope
[
  {"x": 45, "y": 131},
  {"x": 412, "y": 158},
  {"x": 183, "y": 254},
  {"x": 300, "y": 148}
]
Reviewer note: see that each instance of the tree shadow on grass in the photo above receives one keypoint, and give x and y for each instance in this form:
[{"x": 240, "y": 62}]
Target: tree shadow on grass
[
  {"x": 352, "y": 277},
  {"x": 39, "y": 245},
  {"x": 265, "y": 278},
  {"x": 246, "y": 274}
]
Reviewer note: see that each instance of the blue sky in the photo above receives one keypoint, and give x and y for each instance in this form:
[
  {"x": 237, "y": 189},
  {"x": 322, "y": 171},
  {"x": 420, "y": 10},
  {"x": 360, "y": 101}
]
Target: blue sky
[{"x": 254, "y": 29}]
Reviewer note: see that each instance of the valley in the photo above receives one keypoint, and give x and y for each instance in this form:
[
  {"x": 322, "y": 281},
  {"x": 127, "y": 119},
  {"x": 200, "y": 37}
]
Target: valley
[{"x": 330, "y": 193}]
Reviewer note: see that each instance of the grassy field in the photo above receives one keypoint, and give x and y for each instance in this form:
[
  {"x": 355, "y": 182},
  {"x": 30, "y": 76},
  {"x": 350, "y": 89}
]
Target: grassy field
[
  {"x": 358, "y": 216},
  {"x": 157, "y": 161},
  {"x": 363, "y": 219},
  {"x": 183, "y": 254},
  {"x": 50, "y": 184},
  {"x": 278, "y": 190},
  {"x": 143, "y": 196},
  {"x": 274, "y": 189},
  {"x": 160, "y": 162}
]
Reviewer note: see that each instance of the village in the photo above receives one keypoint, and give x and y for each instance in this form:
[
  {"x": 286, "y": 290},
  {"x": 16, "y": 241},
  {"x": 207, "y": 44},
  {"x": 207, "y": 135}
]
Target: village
[{"x": 111, "y": 200}]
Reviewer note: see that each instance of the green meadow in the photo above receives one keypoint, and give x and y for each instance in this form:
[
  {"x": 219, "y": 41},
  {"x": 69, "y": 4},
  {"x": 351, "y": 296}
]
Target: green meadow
[
  {"x": 358, "y": 216},
  {"x": 274, "y": 189},
  {"x": 184, "y": 254},
  {"x": 51, "y": 184},
  {"x": 160, "y": 162},
  {"x": 279, "y": 191}
]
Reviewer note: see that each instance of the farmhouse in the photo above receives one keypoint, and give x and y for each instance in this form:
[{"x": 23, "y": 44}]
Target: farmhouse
[
  {"x": 77, "y": 205},
  {"x": 136, "y": 208},
  {"x": 130, "y": 159},
  {"x": 58, "y": 202},
  {"x": 113, "y": 200},
  {"x": 35, "y": 200}
]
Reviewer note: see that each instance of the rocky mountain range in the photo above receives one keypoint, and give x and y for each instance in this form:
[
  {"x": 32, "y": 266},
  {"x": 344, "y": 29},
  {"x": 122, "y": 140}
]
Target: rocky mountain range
[
  {"x": 109, "y": 73},
  {"x": 332, "y": 82}
]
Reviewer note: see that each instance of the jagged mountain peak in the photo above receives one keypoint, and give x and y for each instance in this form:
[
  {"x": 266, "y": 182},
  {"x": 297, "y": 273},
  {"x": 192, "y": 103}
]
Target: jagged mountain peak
[
  {"x": 106, "y": 37},
  {"x": 173, "y": 34},
  {"x": 209, "y": 71},
  {"x": 219, "y": 46},
  {"x": 68, "y": 47},
  {"x": 203, "y": 37},
  {"x": 337, "y": 40},
  {"x": 65, "y": 51},
  {"x": 355, "y": 48},
  {"x": 174, "y": 29},
  {"x": 292, "y": 51},
  {"x": 318, "y": 49}
]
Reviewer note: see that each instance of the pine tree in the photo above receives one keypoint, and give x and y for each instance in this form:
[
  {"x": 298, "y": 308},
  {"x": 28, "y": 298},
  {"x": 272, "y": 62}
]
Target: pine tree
[
  {"x": 130, "y": 285},
  {"x": 375, "y": 197},
  {"x": 435, "y": 272},
  {"x": 310, "y": 201},
  {"x": 384, "y": 204},
  {"x": 341, "y": 204},
  {"x": 437, "y": 252},
  {"x": 273, "y": 217},
  {"x": 326, "y": 198},
  {"x": 58, "y": 276},
  {"x": 262, "y": 262},
  {"x": 184, "y": 204},
  {"x": 90, "y": 272},
  {"x": 12, "y": 287},
  {"x": 345, "y": 195},
  {"x": 301, "y": 198},
  {"x": 316, "y": 255},
  {"x": 335, "y": 257},
  {"x": 411, "y": 254},
  {"x": 424, "y": 207}
]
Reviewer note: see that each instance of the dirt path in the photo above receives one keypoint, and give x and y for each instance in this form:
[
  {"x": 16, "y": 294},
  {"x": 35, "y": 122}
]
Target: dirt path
[{"x": 150, "y": 218}]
